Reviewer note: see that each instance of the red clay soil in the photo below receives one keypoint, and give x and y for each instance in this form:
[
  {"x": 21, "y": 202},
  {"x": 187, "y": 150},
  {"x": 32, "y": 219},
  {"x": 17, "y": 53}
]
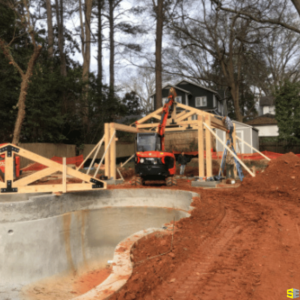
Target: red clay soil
[
  {"x": 241, "y": 243},
  {"x": 89, "y": 281}
]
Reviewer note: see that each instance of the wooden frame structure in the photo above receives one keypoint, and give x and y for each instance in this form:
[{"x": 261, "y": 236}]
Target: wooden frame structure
[
  {"x": 182, "y": 118},
  {"x": 24, "y": 185}
]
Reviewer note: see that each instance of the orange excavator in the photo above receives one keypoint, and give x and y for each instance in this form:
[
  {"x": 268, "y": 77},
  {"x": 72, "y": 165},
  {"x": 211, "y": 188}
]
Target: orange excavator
[{"x": 152, "y": 162}]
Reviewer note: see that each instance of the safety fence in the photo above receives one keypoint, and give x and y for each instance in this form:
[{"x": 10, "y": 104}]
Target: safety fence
[{"x": 250, "y": 156}]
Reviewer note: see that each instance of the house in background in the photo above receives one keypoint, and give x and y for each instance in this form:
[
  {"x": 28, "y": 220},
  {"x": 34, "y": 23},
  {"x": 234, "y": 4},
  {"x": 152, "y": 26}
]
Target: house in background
[
  {"x": 265, "y": 123},
  {"x": 194, "y": 95},
  {"x": 206, "y": 99}
]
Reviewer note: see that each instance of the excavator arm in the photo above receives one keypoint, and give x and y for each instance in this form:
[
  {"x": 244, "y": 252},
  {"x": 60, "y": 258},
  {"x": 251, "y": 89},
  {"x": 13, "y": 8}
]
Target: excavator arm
[{"x": 167, "y": 109}]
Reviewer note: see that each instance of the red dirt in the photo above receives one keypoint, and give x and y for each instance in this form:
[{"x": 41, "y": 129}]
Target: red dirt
[
  {"x": 90, "y": 280},
  {"x": 239, "y": 243}
]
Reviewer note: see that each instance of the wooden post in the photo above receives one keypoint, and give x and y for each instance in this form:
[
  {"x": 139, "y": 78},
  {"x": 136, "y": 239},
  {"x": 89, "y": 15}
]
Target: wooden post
[
  {"x": 113, "y": 171},
  {"x": 208, "y": 148},
  {"x": 9, "y": 168},
  {"x": 234, "y": 137},
  {"x": 200, "y": 147},
  {"x": 64, "y": 175},
  {"x": 234, "y": 146},
  {"x": 107, "y": 155}
]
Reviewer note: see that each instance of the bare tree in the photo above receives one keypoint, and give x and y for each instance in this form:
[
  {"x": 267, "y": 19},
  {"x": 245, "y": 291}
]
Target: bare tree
[
  {"x": 143, "y": 85},
  {"x": 264, "y": 12},
  {"x": 208, "y": 44},
  {"x": 61, "y": 40},
  {"x": 50, "y": 28},
  {"x": 28, "y": 29},
  {"x": 158, "y": 8}
]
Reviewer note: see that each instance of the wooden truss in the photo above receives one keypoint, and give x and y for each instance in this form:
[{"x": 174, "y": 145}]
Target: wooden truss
[
  {"x": 183, "y": 118},
  {"x": 25, "y": 185}
]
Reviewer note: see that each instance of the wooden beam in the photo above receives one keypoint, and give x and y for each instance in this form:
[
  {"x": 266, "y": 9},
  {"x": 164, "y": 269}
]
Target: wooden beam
[
  {"x": 113, "y": 172},
  {"x": 71, "y": 187},
  {"x": 107, "y": 150},
  {"x": 122, "y": 127},
  {"x": 64, "y": 175},
  {"x": 90, "y": 154},
  {"x": 200, "y": 147},
  {"x": 228, "y": 149},
  {"x": 106, "y": 153},
  {"x": 185, "y": 116},
  {"x": 36, "y": 176},
  {"x": 9, "y": 168},
  {"x": 234, "y": 145},
  {"x": 253, "y": 148},
  {"x": 208, "y": 148},
  {"x": 148, "y": 117},
  {"x": 157, "y": 117},
  {"x": 95, "y": 155}
]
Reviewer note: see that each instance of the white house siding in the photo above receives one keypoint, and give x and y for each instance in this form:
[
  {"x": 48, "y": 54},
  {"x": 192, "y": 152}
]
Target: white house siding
[
  {"x": 267, "y": 130},
  {"x": 244, "y": 132}
]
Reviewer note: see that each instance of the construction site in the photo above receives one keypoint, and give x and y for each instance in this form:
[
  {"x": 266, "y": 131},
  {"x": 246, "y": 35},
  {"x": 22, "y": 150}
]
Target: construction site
[{"x": 69, "y": 232}]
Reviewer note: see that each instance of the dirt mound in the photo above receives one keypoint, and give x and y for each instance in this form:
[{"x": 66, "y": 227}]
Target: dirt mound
[{"x": 281, "y": 175}]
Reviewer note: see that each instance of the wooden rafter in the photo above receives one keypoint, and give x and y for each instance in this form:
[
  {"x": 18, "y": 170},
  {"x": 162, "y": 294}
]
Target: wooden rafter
[{"x": 22, "y": 185}]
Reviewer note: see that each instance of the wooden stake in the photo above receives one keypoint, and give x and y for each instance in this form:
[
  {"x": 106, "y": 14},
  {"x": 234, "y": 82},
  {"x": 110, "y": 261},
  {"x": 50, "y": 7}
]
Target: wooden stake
[
  {"x": 228, "y": 149},
  {"x": 208, "y": 148},
  {"x": 200, "y": 147},
  {"x": 64, "y": 177}
]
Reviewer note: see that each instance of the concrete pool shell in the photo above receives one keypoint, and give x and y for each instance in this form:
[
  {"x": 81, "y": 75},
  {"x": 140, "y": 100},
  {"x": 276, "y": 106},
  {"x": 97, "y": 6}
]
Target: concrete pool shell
[{"x": 42, "y": 236}]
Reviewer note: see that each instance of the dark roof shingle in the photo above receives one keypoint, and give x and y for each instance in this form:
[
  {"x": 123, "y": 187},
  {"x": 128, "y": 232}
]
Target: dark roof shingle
[
  {"x": 267, "y": 101},
  {"x": 266, "y": 119}
]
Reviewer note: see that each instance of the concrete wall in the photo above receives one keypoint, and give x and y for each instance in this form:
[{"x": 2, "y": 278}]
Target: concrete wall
[{"x": 49, "y": 235}]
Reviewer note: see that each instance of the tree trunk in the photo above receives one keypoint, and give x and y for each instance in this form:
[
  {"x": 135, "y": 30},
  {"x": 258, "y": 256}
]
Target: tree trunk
[
  {"x": 297, "y": 5},
  {"x": 100, "y": 67},
  {"x": 50, "y": 28},
  {"x": 158, "y": 50},
  {"x": 23, "y": 93},
  {"x": 111, "y": 46},
  {"x": 61, "y": 42},
  {"x": 86, "y": 58}
]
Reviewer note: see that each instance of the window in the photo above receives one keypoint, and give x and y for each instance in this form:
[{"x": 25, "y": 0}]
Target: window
[
  {"x": 186, "y": 100},
  {"x": 178, "y": 99},
  {"x": 164, "y": 101},
  {"x": 152, "y": 103},
  {"x": 194, "y": 117},
  {"x": 201, "y": 101},
  {"x": 214, "y": 101}
]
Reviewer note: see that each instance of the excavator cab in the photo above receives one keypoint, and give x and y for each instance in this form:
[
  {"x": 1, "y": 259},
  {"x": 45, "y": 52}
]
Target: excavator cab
[
  {"x": 150, "y": 162},
  {"x": 148, "y": 141}
]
